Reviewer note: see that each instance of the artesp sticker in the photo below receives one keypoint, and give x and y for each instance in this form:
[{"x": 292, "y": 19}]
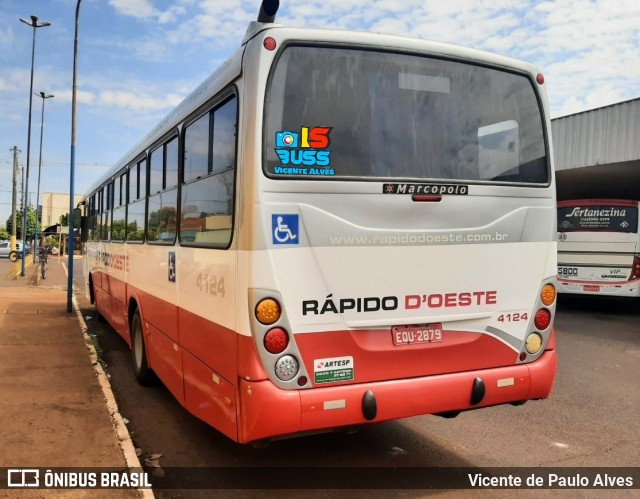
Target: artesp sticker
[{"x": 333, "y": 370}]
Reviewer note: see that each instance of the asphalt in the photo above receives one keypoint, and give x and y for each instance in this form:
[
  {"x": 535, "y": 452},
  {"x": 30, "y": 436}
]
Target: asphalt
[{"x": 56, "y": 406}]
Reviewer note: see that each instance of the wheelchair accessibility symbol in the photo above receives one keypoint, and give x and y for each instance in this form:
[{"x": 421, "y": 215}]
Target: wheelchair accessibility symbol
[{"x": 284, "y": 229}]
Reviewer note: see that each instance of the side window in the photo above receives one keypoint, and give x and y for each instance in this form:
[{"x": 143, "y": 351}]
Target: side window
[
  {"x": 156, "y": 172},
  {"x": 136, "y": 202},
  {"x": 106, "y": 213},
  {"x": 163, "y": 194},
  {"x": 196, "y": 148},
  {"x": 133, "y": 183},
  {"x": 119, "y": 209},
  {"x": 208, "y": 194},
  {"x": 142, "y": 179}
]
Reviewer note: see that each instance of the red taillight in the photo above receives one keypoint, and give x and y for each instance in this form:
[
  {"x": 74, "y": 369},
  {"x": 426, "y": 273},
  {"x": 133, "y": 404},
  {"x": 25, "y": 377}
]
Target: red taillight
[
  {"x": 542, "y": 319},
  {"x": 269, "y": 43},
  {"x": 540, "y": 78},
  {"x": 276, "y": 340},
  {"x": 635, "y": 270}
]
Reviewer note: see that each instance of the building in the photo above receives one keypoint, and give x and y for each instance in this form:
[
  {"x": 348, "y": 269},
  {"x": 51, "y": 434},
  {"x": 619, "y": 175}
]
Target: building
[
  {"x": 54, "y": 205},
  {"x": 597, "y": 152}
]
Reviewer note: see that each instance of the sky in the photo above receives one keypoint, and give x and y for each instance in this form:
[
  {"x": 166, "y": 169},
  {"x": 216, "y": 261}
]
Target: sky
[{"x": 137, "y": 59}]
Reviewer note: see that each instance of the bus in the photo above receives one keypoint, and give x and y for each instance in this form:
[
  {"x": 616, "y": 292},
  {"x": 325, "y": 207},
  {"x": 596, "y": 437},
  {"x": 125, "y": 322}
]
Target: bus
[
  {"x": 599, "y": 247},
  {"x": 335, "y": 229}
]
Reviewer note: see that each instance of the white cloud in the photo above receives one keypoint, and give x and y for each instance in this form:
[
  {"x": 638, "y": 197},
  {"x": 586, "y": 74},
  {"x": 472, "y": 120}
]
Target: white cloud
[
  {"x": 6, "y": 36},
  {"x": 144, "y": 9},
  {"x": 138, "y": 102},
  {"x": 134, "y": 8}
]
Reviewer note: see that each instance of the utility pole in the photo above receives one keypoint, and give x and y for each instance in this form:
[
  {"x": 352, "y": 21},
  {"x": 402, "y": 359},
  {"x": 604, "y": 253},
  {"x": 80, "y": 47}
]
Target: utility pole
[
  {"x": 13, "y": 196},
  {"x": 23, "y": 206}
]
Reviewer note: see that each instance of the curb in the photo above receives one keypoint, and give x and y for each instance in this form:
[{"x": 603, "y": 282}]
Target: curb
[{"x": 119, "y": 427}]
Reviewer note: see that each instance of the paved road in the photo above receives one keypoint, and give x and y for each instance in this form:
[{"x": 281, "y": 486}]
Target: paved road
[{"x": 590, "y": 420}]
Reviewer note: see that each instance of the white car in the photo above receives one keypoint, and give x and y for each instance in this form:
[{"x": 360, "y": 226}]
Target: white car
[{"x": 5, "y": 248}]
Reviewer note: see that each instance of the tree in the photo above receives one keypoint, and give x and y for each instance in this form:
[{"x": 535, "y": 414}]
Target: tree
[
  {"x": 31, "y": 224},
  {"x": 64, "y": 220},
  {"x": 4, "y": 234}
]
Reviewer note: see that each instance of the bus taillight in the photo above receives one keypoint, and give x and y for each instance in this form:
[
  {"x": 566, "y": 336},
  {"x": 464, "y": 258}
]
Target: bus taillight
[
  {"x": 286, "y": 367},
  {"x": 276, "y": 340},
  {"x": 268, "y": 311},
  {"x": 548, "y": 294},
  {"x": 533, "y": 344},
  {"x": 635, "y": 270},
  {"x": 542, "y": 319}
]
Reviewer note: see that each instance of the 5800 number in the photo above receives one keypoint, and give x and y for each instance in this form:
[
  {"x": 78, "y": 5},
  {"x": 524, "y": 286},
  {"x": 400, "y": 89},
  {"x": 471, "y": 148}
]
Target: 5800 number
[{"x": 567, "y": 271}]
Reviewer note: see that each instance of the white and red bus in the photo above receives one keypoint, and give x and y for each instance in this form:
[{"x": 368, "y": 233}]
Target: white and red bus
[
  {"x": 334, "y": 229},
  {"x": 599, "y": 247}
]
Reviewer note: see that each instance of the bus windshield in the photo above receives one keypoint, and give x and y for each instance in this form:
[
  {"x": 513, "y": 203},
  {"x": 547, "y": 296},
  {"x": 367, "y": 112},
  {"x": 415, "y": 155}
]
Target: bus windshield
[{"x": 361, "y": 114}]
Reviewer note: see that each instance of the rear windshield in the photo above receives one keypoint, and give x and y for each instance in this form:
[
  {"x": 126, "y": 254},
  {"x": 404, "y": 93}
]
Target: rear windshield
[
  {"x": 354, "y": 114},
  {"x": 605, "y": 217}
]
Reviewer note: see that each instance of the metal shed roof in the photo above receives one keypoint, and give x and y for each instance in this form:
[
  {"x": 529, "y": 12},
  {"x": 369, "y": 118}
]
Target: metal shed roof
[{"x": 609, "y": 134}]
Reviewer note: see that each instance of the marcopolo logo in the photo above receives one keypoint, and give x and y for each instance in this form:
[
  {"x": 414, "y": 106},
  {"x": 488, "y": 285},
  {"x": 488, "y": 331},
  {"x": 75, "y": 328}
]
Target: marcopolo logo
[{"x": 428, "y": 189}]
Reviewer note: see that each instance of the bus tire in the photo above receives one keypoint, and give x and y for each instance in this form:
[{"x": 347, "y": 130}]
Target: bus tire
[{"x": 141, "y": 369}]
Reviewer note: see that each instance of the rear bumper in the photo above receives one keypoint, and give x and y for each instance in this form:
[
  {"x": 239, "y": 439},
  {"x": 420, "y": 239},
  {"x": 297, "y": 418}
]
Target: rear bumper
[
  {"x": 267, "y": 411},
  {"x": 622, "y": 289}
]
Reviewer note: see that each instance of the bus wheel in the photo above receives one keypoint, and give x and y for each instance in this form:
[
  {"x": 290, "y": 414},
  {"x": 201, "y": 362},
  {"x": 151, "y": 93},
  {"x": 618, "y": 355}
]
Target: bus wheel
[{"x": 143, "y": 374}]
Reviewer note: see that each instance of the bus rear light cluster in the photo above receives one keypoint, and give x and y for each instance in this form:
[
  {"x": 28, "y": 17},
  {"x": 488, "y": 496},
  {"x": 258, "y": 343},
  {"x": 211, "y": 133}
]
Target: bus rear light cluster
[
  {"x": 541, "y": 320},
  {"x": 276, "y": 340},
  {"x": 635, "y": 270}
]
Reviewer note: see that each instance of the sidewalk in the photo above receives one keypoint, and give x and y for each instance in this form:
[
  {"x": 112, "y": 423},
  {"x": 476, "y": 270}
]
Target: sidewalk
[{"x": 56, "y": 408}]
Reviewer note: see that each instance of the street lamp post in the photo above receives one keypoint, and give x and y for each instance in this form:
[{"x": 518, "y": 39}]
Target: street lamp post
[
  {"x": 73, "y": 166},
  {"x": 35, "y": 240},
  {"x": 34, "y": 24}
]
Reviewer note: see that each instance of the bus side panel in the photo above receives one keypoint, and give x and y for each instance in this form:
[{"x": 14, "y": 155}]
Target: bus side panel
[
  {"x": 117, "y": 304},
  {"x": 163, "y": 351},
  {"x": 165, "y": 358},
  {"x": 209, "y": 396},
  {"x": 160, "y": 313},
  {"x": 265, "y": 410},
  {"x": 249, "y": 364},
  {"x": 211, "y": 343}
]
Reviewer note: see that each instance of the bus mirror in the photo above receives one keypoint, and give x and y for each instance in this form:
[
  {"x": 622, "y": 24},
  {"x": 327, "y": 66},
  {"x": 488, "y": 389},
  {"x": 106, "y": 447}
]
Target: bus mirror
[{"x": 77, "y": 218}]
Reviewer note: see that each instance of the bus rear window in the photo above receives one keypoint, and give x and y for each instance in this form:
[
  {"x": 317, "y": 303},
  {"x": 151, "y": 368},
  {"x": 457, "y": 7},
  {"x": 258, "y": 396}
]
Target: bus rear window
[{"x": 361, "y": 114}]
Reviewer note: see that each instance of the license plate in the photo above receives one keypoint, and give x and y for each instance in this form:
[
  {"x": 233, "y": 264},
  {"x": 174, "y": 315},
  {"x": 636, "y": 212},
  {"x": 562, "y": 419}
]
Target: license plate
[
  {"x": 591, "y": 288},
  {"x": 408, "y": 335}
]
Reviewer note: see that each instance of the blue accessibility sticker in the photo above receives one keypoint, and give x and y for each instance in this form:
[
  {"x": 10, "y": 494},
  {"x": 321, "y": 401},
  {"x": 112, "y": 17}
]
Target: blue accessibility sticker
[{"x": 284, "y": 229}]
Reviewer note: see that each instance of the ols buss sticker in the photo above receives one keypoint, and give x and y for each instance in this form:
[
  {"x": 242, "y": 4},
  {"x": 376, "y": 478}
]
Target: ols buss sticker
[
  {"x": 333, "y": 370},
  {"x": 304, "y": 153}
]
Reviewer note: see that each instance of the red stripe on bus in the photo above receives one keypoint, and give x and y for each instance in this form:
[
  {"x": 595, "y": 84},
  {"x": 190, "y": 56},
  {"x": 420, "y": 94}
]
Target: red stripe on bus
[{"x": 596, "y": 202}]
